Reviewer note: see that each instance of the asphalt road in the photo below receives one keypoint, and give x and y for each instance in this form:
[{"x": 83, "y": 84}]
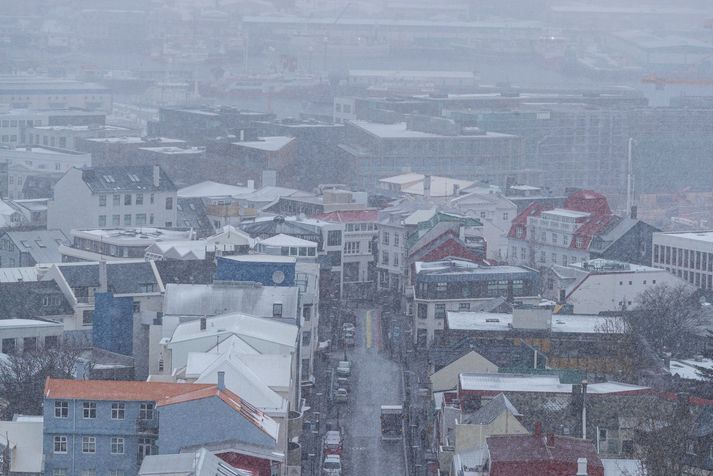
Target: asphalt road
[{"x": 376, "y": 381}]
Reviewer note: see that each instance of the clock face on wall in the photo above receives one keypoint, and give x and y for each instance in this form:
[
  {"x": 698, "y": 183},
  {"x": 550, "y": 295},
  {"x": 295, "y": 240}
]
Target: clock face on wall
[{"x": 278, "y": 277}]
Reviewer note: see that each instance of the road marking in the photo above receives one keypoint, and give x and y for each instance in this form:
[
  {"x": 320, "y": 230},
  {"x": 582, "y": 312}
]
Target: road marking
[{"x": 368, "y": 329}]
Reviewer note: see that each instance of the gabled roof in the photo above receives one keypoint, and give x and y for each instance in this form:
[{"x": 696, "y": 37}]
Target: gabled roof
[
  {"x": 533, "y": 449},
  {"x": 349, "y": 216},
  {"x": 486, "y": 414},
  {"x": 26, "y": 300},
  {"x": 116, "y": 390},
  {"x": 249, "y": 412},
  {"x": 42, "y": 245},
  {"x": 286, "y": 240},
  {"x": 137, "y": 178},
  {"x": 122, "y": 277},
  {"x": 200, "y": 463}
]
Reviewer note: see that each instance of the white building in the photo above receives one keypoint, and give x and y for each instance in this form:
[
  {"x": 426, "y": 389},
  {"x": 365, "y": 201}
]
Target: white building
[
  {"x": 599, "y": 285},
  {"x": 110, "y": 197},
  {"x": 425, "y": 186},
  {"x": 38, "y": 161},
  {"x": 26, "y": 335},
  {"x": 116, "y": 244},
  {"x": 495, "y": 212},
  {"x": 687, "y": 255},
  {"x": 23, "y": 435}
]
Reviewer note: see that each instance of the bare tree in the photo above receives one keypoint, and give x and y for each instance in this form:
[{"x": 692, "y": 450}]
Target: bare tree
[
  {"x": 666, "y": 317},
  {"x": 23, "y": 376}
]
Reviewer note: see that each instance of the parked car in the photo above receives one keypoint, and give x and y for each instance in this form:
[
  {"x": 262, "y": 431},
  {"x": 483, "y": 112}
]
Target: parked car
[
  {"x": 333, "y": 443},
  {"x": 332, "y": 465},
  {"x": 344, "y": 368},
  {"x": 349, "y": 338},
  {"x": 341, "y": 395},
  {"x": 343, "y": 382}
]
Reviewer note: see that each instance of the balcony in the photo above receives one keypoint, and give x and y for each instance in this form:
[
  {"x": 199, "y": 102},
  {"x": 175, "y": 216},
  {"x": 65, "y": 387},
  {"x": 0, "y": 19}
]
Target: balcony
[{"x": 146, "y": 427}]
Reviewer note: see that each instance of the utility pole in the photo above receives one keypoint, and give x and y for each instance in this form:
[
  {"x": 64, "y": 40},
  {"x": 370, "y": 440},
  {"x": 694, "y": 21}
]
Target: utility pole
[{"x": 629, "y": 179}]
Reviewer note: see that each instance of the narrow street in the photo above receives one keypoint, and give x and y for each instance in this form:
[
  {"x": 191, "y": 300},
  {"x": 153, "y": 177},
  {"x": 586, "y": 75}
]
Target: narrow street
[{"x": 376, "y": 381}]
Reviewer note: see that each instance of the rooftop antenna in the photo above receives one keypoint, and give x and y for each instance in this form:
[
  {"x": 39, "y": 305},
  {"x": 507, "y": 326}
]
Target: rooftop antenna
[{"x": 629, "y": 179}]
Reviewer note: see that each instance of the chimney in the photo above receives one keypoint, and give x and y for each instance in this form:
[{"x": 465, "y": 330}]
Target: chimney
[
  {"x": 427, "y": 186},
  {"x": 581, "y": 466},
  {"x": 251, "y": 184},
  {"x": 584, "y": 409},
  {"x": 221, "y": 380},
  {"x": 633, "y": 212},
  {"x": 538, "y": 428},
  {"x": 103, "y": 280},
  {"x": 203, "y": 323},
  {"x": 550, "y": 441},
  {"x": 156, "y": 175}
]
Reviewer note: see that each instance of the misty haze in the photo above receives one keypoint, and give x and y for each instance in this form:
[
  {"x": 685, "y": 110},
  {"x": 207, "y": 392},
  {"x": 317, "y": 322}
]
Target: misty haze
[{"x": 356, "y": 238}]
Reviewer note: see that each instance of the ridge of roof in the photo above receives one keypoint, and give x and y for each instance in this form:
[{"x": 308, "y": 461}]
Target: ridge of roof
[{"x": 116, "y": 390}]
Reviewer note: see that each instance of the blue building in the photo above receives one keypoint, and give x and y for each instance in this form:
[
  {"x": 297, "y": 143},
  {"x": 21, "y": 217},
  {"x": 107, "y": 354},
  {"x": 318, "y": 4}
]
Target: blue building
[
  {"x": 103, "y": 427},
  {"x": 268, "y": 270}
]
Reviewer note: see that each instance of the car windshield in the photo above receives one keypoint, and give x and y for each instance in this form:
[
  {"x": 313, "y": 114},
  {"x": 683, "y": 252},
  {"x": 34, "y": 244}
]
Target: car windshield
[{"x": 332, "y": 465}]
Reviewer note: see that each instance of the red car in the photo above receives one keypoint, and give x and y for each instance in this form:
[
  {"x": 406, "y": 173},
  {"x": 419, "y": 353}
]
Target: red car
[{"x": 333, "y": 443}]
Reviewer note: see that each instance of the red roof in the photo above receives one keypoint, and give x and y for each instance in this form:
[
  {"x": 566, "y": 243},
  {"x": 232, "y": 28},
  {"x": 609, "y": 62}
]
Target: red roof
[
  {"x": 349, "y": 216},
  {"x": 534, "y": 209},
  {"x": 588, "y": 201},
  {"x": 251, "y": 413},
  {"x": 590, "y": 228},
  {"x": 513, "y": 454},
  {"x": 117, "y": 390}
]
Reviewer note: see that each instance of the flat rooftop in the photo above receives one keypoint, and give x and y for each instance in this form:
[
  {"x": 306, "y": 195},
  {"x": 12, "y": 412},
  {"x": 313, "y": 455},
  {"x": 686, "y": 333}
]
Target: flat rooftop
[
  {"x": 498, "y": 383},
  {"x": 139, "y": 236},
  {"x": 490, "y": 321},
  {"x": 399, "y": 130},
  {"x": 703, "y": 236}
]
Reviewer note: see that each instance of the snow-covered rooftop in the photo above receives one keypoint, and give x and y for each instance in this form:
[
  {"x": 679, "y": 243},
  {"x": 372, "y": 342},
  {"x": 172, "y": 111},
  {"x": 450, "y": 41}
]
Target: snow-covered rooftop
[
  {"x": 497, "y": 383},
  {"x": 490, "y": 321}
]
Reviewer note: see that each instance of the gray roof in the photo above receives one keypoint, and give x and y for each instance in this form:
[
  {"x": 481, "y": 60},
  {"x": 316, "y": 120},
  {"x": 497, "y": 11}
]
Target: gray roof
[
  {"x": 200, "y": 463},
  {"x": 491, "y": 410},
  {"x": 128, "y": 178},
  {"x": 42, "y": 245},
  {"x": 122, "y": 278},
  {"x": 214, "y": 299}
]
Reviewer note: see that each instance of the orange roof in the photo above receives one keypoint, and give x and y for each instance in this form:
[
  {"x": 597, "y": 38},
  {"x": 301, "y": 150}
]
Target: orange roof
[
  {"x": 251, "y": 413},
  {"x": 117, "y": 390}
]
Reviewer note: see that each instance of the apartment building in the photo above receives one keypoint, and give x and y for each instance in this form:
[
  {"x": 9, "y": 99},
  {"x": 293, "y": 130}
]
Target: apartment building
[
  {"x": 110, "y": 197},
  {"x": 583, "y": 228},
  {"x": 116, "y": 244},
  {"x": 431, "y": 146},
  {"x": 457, "y": 285},
  {"x": 687, "y": 255}
]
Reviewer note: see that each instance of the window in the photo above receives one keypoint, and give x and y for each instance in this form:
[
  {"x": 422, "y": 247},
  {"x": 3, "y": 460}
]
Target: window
[
  {"x": 397, "y": 237},
  {"x": 117, "y": 411},
  {"x": 151, "y": 198},
  {"x": 61, "y": 409},
  {"x": 483, "y": 214},
  {"x": 151, "y": 219},
  {"x": 307, "y": 312},
  {"x": 136, "y": 307},
  {"x": 169, "y": 224},
  {"x": 440, "y": 311},
  {"x": 116, "y": 472},
  {"x": 59, "y": 472},
  {"x": 422, "y": 310},
  {"x": 117, "y": 445},
  {"x": 169, "y": 203},
  {"x": 396, "y": 259},
  {"x": 29, "y": 344},
  {"x": 306, "y": 338},
  {"x": 51, "y": 342},
  {"x": 146, "y": 411},
  {"x": 139, "y": 198},
  {"x": 334, "y": 238},
  {"x": 464, "y": 306},
  {"x": 579, "y": 242},
  {"x": 116, "y": 200},
  {"x": 127, "y": 199},
  {"x": 127, "y": 219},
  {"x": 89, "y": 410},
  {"x": 602, "y": 434},
  {"x": 140, "y": 219},
  {"x": 554, "y": 238},
  {"x": 116, "y": 220},
  {"x": 60, "y": 444},
  {"x": 351, "y": 247},
  {"x": 691, "y": 447},
  {"x": 102, "y": 200},
  {"x": 8, "y": 345},
  {"x": 102, "y": 220},
  {"x": 385, "y": 258},
  {"x": 89, "y": 444},
  {"x": 277, "y": 310},
  {"x": 385, "y": 238},
  {"x": 145, "y": 448},
  {"x": 89, "y": 472}
]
